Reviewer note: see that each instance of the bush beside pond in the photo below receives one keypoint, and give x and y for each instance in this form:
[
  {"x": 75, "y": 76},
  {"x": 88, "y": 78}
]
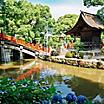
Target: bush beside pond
[
  {"x": 54, "y": 53},
  {"x": 69, "y": 55},
  {"x": 81, "y": 55},
  {"x": 31, "y": 92},
  {"x": 24, "y": 92}
]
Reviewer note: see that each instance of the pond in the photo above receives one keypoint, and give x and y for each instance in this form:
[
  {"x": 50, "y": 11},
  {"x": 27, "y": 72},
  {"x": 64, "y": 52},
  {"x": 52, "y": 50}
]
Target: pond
[{"x": 82, "y": 81}]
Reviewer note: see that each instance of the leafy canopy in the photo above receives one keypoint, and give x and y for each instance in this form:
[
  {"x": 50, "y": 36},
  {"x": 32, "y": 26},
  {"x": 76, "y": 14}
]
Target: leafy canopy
[
  {"x": 64, "y": 23},
  {"x": 93, "y": 2},
  {"x": 100, "y": 13},
  {"x": 24, "y": 20}
]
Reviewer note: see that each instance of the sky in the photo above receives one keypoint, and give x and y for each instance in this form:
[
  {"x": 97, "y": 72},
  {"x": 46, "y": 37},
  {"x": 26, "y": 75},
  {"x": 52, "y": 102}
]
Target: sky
[{"x": 61, "y": 7}]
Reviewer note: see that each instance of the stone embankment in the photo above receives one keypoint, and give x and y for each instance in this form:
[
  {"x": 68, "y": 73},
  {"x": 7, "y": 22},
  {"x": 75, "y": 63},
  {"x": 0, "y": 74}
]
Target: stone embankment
[{"x": 87, "y": 63}]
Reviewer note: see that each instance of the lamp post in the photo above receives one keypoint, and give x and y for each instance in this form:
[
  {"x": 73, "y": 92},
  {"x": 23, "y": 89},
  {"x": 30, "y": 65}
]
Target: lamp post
[
  {"x": 46, "y": 37},
  {"x": 33, "y": 22},
  {"x": 61, "y": 38}
]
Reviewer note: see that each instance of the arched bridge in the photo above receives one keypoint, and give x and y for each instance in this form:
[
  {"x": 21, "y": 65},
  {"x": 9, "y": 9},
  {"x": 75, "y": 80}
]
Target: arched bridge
[{"x": 11, "y": 43}]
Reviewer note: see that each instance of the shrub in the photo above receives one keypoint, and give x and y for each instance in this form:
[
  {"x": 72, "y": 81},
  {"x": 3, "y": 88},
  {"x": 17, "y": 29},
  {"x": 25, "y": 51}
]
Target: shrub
[
  {"x": 54, "y": 53},
  {"x": 69, "y": 55},
  {"x": 81, "y": 55},
  {"x": 90, "y": 55},
  {"x": 24, "y": 91},
  {"x": 79, "y": 46}
]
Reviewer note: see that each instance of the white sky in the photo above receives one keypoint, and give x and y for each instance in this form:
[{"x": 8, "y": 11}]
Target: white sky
[
  {"x": 61, "y": 10},
  {"x": 61, "y": 7}
]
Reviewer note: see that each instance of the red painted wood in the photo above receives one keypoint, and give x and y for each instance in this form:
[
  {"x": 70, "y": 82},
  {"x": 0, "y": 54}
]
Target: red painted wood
[{"x": 35, "y": 47}]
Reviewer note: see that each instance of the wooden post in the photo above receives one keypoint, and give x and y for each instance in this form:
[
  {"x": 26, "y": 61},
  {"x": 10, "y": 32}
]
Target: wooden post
[
  {"x": 21, "y": 54},
  {"x": 5, "y": 54}
]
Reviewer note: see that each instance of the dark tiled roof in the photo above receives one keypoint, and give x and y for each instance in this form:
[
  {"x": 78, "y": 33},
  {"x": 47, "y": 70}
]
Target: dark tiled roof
[
  {"x": 92, "y": 20},
  {"x": 86, "y": 19}
]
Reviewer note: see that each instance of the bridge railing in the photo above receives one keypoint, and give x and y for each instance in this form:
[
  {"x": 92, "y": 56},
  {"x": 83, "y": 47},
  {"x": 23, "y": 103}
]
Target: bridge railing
[{"x": 35, "y": 47}]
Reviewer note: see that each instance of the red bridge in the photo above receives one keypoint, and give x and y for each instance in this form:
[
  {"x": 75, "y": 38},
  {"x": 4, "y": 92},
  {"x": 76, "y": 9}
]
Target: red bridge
[{"x": 19, "y": 44}]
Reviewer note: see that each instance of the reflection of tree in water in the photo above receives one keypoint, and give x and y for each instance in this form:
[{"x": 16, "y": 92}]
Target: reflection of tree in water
[{"x": 86, "y": 87}]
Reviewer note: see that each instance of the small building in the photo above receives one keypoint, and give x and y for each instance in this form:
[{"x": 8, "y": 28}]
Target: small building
[{"x": 88, "y": 28}]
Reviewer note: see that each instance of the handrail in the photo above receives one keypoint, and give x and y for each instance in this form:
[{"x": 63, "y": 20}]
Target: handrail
[{"x": 23, "y": 43}]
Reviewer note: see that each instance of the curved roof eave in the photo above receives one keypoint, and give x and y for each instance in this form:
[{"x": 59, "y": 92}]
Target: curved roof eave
[
  {"x": 92, "y": 20},
  {"x": 71, "y": 30}
]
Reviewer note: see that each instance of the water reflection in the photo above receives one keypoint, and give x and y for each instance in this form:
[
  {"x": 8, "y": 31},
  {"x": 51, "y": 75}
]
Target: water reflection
[
  {"x": 13, "y": 69},
  {"x": 83, "y": 81},
  {"x": 86, "y": 87},
  {"x": 93, "y": 75},
  {"x": 67, "y": 84}
]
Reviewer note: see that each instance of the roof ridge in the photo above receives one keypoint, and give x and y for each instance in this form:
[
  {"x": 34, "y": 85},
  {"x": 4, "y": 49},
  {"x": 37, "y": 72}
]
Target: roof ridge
[
  {"x": 82, "y": 12},
  {"x": 92, "y": 20}
]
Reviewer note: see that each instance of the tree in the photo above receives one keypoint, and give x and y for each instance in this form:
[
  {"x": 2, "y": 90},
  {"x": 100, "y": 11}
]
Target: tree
[
  {"x": 24, "y": 20},
  {"x": 93, "y": 2},
  {"x": 64, "y": 23},
  {"x": 100, "y": 13},
  {"x": 1, "y": 3}
]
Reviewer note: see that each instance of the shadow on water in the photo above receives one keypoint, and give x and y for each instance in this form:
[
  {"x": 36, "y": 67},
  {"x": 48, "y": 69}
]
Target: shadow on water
[{"x": 86, "y": 87}]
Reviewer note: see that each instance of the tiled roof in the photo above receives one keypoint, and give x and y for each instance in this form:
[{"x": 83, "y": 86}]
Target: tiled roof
[
  {"x": 87, "y": 19},
  {"x": 92, "y": 20}
]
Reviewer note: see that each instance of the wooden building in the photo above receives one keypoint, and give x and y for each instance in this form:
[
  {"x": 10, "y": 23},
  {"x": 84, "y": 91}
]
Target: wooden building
[{"x": 88, "y": 28}]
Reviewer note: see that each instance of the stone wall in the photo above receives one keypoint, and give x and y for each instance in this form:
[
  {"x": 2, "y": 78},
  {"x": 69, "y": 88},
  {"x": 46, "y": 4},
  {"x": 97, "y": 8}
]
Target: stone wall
[{"x": 92, "y": 63}]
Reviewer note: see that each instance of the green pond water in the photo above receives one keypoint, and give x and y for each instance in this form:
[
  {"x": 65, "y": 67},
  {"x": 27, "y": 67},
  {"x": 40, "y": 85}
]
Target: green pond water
[{"x": 83, "y": 81}]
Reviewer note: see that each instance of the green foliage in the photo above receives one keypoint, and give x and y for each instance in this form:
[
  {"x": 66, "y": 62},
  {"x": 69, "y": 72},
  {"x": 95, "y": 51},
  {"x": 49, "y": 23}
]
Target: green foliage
[
  {"x": 54, "y": 53},
  {"x": 102, "y": 35},
  {"x": 69, "y": 38},
  {"x": 54, "y": 41},
  {"x": 23, "y": 18},
  {"x": 93, "y": 2},
  {"x": 23, "y": 91},
  {"x": 90, "y": 55},
  {"x": 79, "y": 45},
  {"x": 100, "y": 13},
  {"x": 81, "y": 55},
  {"x": 64, "y": 23},
  {"x": 69, "y": 55},
  {"x": 50, "y": 42},
  {"x": 1, "y": 3}
]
